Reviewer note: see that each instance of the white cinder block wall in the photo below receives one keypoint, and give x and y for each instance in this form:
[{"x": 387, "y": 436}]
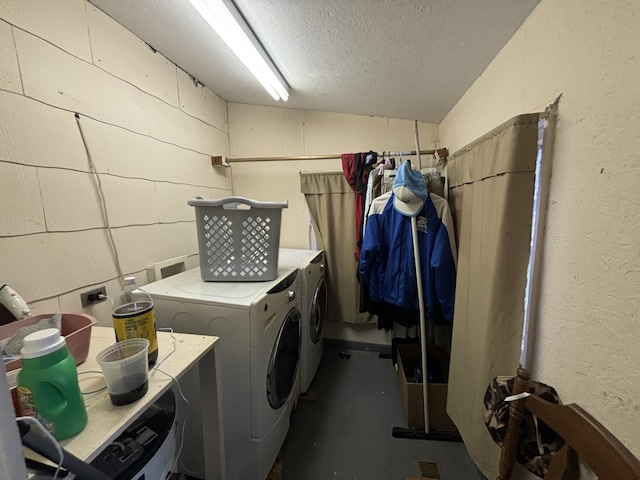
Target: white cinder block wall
[{"x": 150, "y": 130}]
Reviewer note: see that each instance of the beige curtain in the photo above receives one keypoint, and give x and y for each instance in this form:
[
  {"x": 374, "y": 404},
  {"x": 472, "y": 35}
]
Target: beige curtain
[
  {"x": 491, "y": 186},
  {"x": 332, "y": 205}
]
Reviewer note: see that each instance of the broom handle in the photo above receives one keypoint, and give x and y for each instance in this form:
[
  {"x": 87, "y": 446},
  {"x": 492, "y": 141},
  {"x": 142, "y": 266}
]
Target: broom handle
[{"x": 423, "y": 329}]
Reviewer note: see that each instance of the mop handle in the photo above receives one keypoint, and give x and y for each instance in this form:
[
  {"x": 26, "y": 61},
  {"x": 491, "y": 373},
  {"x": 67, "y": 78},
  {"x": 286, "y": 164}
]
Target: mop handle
[{"x": 423, "y": 329}]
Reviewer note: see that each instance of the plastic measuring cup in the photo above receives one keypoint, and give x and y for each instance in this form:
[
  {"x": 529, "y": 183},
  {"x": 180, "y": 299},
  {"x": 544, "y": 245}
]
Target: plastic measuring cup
[{"x": 125, "y": 369}]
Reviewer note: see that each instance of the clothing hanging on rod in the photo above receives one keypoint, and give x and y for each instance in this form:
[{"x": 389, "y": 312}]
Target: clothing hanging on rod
[
  {"x": 374, "y": 185},
  {"x": 356, "y": 168},
  {"x": 387, "y": 273},
  {"x": 381, "y": 179}
]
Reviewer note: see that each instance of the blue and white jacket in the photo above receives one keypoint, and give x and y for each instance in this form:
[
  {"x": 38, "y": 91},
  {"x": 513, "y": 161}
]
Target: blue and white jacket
[{"x": 386, "y": 265}]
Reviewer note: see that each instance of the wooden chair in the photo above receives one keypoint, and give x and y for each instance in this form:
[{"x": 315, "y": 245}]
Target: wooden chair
[{"x": 585, "y": 438}]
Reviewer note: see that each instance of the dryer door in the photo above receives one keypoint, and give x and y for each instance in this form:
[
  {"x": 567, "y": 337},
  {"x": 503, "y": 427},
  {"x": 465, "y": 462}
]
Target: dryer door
[
  {"x": 283, "y": 363},
  {"x": 318, "y": 311}
]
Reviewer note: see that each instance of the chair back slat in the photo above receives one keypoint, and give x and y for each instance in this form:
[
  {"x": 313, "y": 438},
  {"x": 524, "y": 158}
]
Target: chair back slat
[{"x": 585, "y": 439}]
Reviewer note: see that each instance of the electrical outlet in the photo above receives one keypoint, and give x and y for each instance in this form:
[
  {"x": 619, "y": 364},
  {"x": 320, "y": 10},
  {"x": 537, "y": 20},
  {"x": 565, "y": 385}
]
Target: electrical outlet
[{"x": 93, "y": 296}]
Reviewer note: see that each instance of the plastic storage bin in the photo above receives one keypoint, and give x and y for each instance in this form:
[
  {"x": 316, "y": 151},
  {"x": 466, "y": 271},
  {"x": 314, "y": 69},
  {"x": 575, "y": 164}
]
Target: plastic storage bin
[
  {"x": 75, "y": 328},
  {"x": 238, "y": 238}
]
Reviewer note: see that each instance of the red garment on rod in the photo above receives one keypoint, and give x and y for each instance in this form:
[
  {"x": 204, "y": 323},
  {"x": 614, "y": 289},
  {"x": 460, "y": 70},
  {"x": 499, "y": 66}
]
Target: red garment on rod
[
  {"x": 356, "y": 168},
  {"x": 349, "y": 169}
]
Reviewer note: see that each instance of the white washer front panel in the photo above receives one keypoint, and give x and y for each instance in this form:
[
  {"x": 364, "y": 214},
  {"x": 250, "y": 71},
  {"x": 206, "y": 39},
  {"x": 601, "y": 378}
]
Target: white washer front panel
[
  {"x": 311, "y": 264},
  {"x": 233, "y": 352},
  {"x": 247, "y": 319},
  {"x": 273, "y": 310}
]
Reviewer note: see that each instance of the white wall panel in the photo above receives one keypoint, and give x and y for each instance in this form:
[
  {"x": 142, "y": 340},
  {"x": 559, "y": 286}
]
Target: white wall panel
[
  {"x": 174, "y": 197},
  {"x": 218, "y": 141},
  {"x": 265, "y": 131},
  {"x": 46, "y": 265},
  {"x": 21, "y": 203},
  {"x": 118, "y": 151},
  {"x": 214, "y": 193},
  {"x": 357, "y": 133},
  {"x": 50, "y": 305},
  {"x": 36, "y": 134},
  {"x": 130, "y": 201},
  {"x": 140, "y": 247},
  {"x": 277, "y": 181},
  {"x": 223, "y": 178},
  {"x": 70, "y": 200},
  {"x": 9, "y": 73},
  {"x": 327, "y": 133},
  {"x": 56, "y": 78},
  {"x": 200, "y": 102},
  {"x": 401, "y": 136},
  {"x": 61, "y": 22},
  {"x": 124, "y": 55}
]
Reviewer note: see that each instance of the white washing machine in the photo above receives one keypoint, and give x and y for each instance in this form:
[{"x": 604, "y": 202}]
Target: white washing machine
[
  {"x": 314, "y": 307},
  {"x": 259, "y": 328}
]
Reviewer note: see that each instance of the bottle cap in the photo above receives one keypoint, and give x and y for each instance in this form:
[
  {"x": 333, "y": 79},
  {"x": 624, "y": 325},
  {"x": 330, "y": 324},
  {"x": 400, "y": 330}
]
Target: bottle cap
[
  {"x": 41, "y": 343},
  {"x": 129, "y": 280}
]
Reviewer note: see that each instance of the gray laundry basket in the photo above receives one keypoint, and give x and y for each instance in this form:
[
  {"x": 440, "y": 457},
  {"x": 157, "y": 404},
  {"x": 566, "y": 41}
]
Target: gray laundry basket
[{"x": 238, "y": 238}]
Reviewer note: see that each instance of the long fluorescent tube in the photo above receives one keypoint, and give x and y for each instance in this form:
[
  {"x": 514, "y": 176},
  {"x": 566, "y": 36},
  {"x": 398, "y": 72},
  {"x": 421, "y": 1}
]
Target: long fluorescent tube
[{"x": 228, "y": 23}]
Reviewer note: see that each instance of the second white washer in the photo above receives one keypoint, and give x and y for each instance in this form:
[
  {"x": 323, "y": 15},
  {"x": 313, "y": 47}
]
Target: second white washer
[{"x": 313, "y": 307}]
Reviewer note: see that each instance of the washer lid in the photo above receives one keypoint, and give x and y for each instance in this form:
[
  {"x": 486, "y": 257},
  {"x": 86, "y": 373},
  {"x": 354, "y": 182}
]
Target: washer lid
[{"x": 189, "y": 285}]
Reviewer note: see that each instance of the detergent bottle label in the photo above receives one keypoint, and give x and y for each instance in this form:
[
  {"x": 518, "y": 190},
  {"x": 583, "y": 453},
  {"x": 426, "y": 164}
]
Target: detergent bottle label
[{"x": 27, "y": 407}]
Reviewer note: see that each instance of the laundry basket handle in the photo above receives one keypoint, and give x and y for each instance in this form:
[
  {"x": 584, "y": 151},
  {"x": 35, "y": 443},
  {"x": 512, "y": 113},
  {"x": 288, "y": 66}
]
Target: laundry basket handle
[{"x": 233, "y": 202}]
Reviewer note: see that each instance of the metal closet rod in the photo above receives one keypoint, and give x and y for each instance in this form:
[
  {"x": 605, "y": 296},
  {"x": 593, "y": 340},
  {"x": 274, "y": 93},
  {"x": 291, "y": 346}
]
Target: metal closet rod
[{"x": 443, "y": 152}]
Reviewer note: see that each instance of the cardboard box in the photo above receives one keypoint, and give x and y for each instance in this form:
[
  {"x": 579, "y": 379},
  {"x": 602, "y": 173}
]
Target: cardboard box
[{"x": 411, "y": 391}]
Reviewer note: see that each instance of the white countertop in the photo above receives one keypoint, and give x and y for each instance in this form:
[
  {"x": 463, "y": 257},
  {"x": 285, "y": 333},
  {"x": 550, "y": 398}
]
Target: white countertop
[{"x": 106, "y": 421}]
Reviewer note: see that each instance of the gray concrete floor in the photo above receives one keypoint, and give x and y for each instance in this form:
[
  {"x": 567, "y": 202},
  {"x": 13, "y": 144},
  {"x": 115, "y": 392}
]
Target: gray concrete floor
[{"x": 346, "y": 432}]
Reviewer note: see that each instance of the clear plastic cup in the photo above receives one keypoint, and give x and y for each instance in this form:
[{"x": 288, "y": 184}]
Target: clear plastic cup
[{"x": 126, "y": 370}]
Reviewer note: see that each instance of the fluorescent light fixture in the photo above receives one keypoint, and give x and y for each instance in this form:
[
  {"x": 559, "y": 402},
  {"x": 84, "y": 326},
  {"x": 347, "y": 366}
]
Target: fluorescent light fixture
[{"x": 228, "y": 23}]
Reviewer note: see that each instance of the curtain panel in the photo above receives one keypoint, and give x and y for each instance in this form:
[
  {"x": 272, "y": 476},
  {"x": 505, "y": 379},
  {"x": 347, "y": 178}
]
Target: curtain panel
[
  {"x": 491, "y": 188},
  {"x": 332, "y": 205}
]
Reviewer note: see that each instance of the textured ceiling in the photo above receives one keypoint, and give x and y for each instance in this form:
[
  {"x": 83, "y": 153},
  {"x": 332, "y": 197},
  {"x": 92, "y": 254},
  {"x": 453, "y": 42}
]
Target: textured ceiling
[{"x": 391, "y": 58}]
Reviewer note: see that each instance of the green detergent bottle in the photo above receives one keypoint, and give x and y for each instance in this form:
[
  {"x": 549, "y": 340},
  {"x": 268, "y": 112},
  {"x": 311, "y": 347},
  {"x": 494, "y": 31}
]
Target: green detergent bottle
[{"x": 47, "y": 384}]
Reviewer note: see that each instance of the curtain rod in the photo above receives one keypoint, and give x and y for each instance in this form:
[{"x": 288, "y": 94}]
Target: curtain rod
[{"x": 442, "y": 152}]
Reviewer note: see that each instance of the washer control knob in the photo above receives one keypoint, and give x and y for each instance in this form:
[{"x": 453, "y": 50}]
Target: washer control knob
[{"x": 292, "y": 295}]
